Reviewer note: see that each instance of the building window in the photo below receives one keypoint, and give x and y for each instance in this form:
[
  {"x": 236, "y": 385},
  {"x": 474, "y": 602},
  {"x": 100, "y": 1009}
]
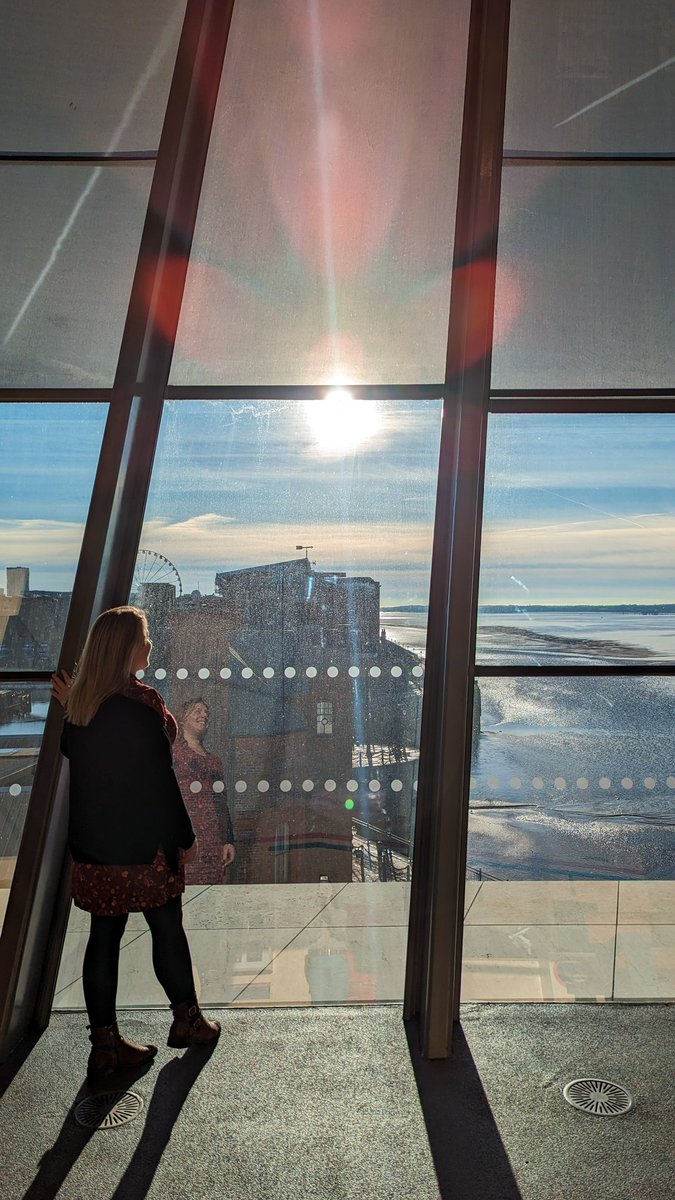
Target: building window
[
  {"x": 282, "y": 846},
  {"x": 324, "y": 716}
]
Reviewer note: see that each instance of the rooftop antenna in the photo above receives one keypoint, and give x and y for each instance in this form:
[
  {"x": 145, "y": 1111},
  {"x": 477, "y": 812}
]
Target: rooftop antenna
[{"x": 305, "y": 548}]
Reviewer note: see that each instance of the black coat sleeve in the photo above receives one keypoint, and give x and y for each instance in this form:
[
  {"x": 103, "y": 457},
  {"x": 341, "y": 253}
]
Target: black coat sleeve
[{"x": 124, "y": 797}]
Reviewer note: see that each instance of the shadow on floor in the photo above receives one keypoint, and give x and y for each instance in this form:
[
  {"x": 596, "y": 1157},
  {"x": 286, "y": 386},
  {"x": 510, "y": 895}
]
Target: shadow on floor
[
  {"x": 173, "y": 1085},
  {"x": 467, "y": 1149}
]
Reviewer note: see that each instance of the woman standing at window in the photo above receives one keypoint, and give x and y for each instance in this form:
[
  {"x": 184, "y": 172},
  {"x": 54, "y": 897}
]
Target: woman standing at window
[
  {"x": 200, "y": 775},
  {"x": 129, "y": 833}
]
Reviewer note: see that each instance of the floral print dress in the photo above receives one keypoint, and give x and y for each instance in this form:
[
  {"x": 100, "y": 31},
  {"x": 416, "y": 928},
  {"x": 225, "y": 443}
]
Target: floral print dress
[{"x": 110, "y": 891}]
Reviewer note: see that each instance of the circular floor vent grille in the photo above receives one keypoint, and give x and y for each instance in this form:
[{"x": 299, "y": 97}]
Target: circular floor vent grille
[
  {"x": 108, "y": 1110},
  {"x": 598, "y": 1096}
]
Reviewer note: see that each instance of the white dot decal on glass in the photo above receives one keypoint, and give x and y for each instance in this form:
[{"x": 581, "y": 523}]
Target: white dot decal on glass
[
  {"x": 375, "y": 672},
  {"x": 15, "y": 789},
  {"x": 218, "y": 786},
  {"x": 415, "y": 786},
  {"x": 671, "y": 781},
  {"x": 354, "y": 671},
  {"x": 627, "y": 783},
  {"x": 538, "y": 782},
  {"x": 140, "y": 674},
  {"x": 330, "y": 785},
  {"x": 582, "y": 783},
  {"x": 559, "y": 783},
  {"x": 494, "y": 782},
  {"x": 650, "y": 782},
  {"x": 240, "y": 785},
  {"x": 396, "y": 672},
  {"x": 516, "y": 783},
  {"x": 307, "y": 785},
  {"x": 374, "y": 785},
  {"x": 290, "y": 672},
  {"x": 352, "y": 785},
  {"x": 246, "y": 673},
  {"x": 417, "y": 671},
  {"x": 332, "y": 672},
  {"x": 605, "y": 782},
  {"x": 310, "y": 672},
  {"x": 203, "y": 673},
  {"x": 225, "y": 673},
  {"x": 263, "y": 786},
  {"x": 268, "y": 672},
  {"x": 181, "y": 673},
  {"x": 195, "y": 786},
  {"x": 396, "y": 785},
  {"x": 285, "y": 785},
  {"x": 160, "y": 673}
]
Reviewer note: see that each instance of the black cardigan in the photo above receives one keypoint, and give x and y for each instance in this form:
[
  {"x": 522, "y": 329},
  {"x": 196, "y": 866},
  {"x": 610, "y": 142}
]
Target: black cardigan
[{"x": 124, "y": 796}]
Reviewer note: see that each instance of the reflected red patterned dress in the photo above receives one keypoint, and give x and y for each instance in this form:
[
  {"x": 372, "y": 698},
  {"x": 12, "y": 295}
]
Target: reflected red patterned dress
[
  {"x": 196, "y": 774},
  {"x": 110, "y": 891}
]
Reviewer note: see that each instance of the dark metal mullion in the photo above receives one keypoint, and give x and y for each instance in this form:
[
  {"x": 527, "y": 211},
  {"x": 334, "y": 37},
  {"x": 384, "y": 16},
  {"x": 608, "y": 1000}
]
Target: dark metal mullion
[
  {"x": 55, "y": 395},
  {"x": 583, "y": 670},
  {"x": 25, "y": 676},
  {"x": 112, "y": 160},
  {"x": 433, "y": 968},
  {"x": 115, "y": 156},
  {"x": 579, "y": 393},
  {"x": 312, "y": 391},
  {"x": 113, "y": 528},
  {"x": 534, "y": 158},
  {"x": 660, "y": 400}
]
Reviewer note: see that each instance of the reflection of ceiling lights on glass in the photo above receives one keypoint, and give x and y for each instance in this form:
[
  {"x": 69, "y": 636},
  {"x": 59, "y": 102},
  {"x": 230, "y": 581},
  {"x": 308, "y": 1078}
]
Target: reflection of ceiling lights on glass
[{"x": 339, "y": 423}]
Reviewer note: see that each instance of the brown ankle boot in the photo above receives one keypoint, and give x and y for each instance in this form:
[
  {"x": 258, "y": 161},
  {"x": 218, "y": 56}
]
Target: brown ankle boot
[
  {"x": 110, "y": 1050},
  {"x": 190, "y": 1027}
]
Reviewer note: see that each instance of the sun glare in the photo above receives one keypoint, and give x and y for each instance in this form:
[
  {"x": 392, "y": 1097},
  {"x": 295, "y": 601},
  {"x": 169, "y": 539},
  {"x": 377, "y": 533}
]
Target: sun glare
[{"x": 339, "y": 423}]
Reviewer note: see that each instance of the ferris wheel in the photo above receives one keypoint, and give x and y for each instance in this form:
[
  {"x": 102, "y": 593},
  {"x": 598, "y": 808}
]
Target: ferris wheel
[{"x": 152, "y": 567}]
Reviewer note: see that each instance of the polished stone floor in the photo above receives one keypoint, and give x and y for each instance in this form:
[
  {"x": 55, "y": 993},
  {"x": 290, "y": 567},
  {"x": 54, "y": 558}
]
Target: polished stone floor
[{"x": 345, "y": 943}]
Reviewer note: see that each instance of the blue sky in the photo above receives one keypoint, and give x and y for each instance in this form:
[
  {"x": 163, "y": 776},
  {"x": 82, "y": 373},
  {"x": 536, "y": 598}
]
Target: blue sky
[{"x": 577, "y": 508}]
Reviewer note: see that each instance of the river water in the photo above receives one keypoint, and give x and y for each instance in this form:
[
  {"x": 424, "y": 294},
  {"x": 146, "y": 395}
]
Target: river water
[{"x": 571, "y": 777}]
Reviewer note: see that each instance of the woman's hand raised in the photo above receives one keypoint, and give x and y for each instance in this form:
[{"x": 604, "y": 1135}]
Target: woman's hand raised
[{"x": 61, "y": 685}]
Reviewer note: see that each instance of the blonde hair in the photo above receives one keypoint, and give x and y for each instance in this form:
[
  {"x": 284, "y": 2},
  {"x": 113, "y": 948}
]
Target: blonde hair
[{"x": 106, "y": 661}]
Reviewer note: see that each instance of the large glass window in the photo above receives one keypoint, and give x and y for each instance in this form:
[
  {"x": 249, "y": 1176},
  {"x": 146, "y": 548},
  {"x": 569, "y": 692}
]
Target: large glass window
[
  {"x": 591, "y": 77},
  {"x": 584, "y": 280},
  {"x": 285, "y": 570},
  {"x": 574, "y": 779},
  {"x": 323, "y": 246},
  {"x": 572, "y": 797},
  {"x": 571, "y": 822},
  {"x": 577, "y": 540},
  {"x": 69, "y": 238},
  {"x": 86, "y": 76},
  {"x": 48, "y": 456},
  {"x": 23, "y": 708}
]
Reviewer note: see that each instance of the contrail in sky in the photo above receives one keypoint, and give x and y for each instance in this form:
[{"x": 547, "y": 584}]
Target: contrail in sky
[
  {"x": 591, "y": 508},
  {"x": 155, "y": 59},
  {"x": 617, "y": 91}
]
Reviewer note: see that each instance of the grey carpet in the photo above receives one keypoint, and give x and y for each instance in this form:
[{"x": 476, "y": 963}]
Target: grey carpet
[
  {"x": 526, "y": 1053},
  {"x": 333, "y": 1104},
  {"x": 296, "y": 1103}
]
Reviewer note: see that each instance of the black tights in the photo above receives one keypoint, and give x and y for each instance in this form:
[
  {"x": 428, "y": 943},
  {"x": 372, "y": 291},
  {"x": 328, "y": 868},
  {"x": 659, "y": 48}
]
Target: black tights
[{"x": 170, "y": 959}]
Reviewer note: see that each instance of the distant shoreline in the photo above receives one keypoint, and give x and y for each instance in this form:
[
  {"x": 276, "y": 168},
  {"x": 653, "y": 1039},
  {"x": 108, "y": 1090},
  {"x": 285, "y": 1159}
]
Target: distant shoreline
[{"x": 630, "y": 609}]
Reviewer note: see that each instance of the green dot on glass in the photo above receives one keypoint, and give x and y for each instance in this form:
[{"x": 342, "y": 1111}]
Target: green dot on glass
[{"x": 349, "y": 803}]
